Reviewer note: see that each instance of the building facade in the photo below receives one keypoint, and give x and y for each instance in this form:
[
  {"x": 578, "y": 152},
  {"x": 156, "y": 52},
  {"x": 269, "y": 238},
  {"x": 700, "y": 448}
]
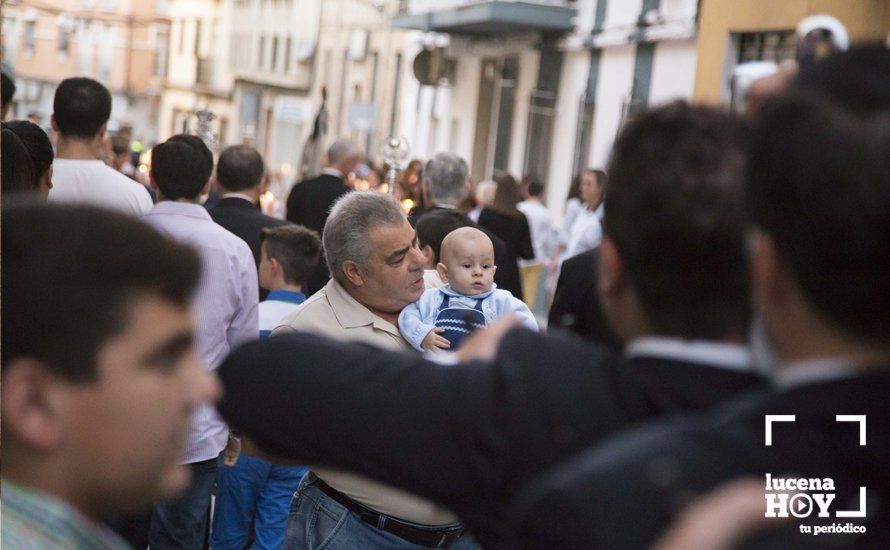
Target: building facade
[
  {"x": 121, "y": 43},
  {"x": 541, "y": 88}
]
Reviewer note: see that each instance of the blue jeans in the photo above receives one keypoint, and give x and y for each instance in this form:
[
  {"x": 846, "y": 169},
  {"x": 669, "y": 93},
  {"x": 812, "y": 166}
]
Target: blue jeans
[
  {"x": 182, "y": 524},
  {"x": 317, "y": 522},
  {"x": 258, "y": 490}
]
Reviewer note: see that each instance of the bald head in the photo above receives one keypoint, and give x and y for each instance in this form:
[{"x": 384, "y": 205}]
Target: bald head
[{"x": 464, "y": 237}]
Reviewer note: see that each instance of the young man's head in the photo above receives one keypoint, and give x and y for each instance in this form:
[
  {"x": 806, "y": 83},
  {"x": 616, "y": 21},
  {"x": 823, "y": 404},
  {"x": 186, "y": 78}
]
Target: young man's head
[
  {"x": 433, "y": 227},
  {"x": 81, "y": 109},
  {"x": 672, "y": 261},
  {"x": 240, "y": 169},
  {"x": 181, "y": 168},
  {"x": 467, "y": 262},
  {"x": 99, "y": 372},
  {"x": 535, "y": 189},
  {"x": 290, "y": 254},
  {"x": 819, "y": 190}
]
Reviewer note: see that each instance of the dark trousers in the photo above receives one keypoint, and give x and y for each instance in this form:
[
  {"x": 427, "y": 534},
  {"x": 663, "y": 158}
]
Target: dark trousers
[{"x": 182, "y": 524}]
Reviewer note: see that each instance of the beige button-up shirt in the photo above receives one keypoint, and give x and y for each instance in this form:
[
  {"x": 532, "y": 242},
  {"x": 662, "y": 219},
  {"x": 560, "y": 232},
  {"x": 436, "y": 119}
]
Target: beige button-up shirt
[{"x": 334, "y": 313}]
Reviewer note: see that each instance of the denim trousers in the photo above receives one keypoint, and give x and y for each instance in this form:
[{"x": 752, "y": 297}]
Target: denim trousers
[
  {"x": 258, "y": 491},
  {"x": 182, "y": 524},
  {"x": 318, "y": 522}
]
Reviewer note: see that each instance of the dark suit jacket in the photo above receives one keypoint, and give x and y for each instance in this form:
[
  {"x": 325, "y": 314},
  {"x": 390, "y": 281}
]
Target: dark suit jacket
[
  {"x": 576, "y": 303},
  {"x": 244, "y": 219},
  {"x": 500, "y": 249},
  {"x": 468, "y": 436},
  {"x": 309, "y": 204},
  {"x": 610, "y": 498}
]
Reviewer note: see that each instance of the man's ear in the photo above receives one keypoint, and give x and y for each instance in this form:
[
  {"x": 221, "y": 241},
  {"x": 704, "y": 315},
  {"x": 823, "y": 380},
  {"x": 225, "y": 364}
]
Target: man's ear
[
  {"x": 102, "y": 130},
  {"x": 206, "y": 189},
  {"x": 442, "y": 270},
  {"x": 611, "y": 269},
  {"x": 275, "y": 266},
  {"x": 53, "y": 123},
  {"x": 353, "y": 272},
  {"x": 152, "y": 183},
  {"x": 31, "y": 407},
  {"x": 428, "y": 254},
  {"x": 770, "y": 280}
]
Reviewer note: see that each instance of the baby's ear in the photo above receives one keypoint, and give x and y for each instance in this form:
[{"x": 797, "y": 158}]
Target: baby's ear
[{"x": 442, "y": 271}]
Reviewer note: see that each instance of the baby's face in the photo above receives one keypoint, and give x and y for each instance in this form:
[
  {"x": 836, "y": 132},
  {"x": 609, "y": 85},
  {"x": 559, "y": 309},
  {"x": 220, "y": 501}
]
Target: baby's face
[{"x": 470, "y": 266}]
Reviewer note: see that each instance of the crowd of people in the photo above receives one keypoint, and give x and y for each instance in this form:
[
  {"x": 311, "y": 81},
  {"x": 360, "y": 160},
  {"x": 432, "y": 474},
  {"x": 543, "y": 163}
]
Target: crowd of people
[{"x": 182, "y": 370}]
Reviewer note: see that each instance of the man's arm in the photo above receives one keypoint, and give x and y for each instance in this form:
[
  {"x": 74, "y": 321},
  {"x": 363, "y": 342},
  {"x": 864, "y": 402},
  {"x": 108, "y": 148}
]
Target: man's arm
[
  {"x": 245, "y": 324},
  {"x": 307, "y": 398}
]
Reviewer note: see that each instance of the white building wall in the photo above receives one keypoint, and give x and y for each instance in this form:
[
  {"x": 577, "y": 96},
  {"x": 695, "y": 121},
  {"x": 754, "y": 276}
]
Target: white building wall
[
  {"x": 575, "y": 68},
  {"x": 464, "y": 101},
  {"x": 528, "y": 78},
  {"x": 673, "y": 71},
  {"x": 613, "y": 88}
]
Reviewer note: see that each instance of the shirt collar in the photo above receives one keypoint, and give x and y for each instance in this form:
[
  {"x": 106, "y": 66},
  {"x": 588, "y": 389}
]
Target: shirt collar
[
  {"x": 735, "y": 357},
  {"x": 238, "y": 196},
  {"x": 332, "y": 172},
  {"x": 350, "y": 313},
  {"x": 54, "y": 518},
  {"x": 188, "y": 209},
  {"x": 286, "y": 296},
  {"x": 812, "y": 371}
]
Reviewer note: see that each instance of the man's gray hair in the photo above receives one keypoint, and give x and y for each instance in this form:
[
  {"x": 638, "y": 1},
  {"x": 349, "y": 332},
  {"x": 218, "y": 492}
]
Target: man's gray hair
[
  {"x": 347, "y": 233},
  {"x": 341, "y": 149},
  {"x": 446, "y": 175}
]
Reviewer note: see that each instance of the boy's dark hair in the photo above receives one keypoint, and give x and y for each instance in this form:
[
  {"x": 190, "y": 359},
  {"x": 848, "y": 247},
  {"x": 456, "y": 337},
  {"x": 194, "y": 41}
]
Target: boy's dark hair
[
  {"x": 81, "y": 106},
  {"x": 239, "y": 167},
  {"x": 18, "y": 173},
  {"x": 70, "y": 276},
  {"x": 120, "y": 144},
  {"x": 675, "y": 213},
  {"x": 7, "y": 90},
  {"x": 181, "y": 166},
  {"x": 433, "y": 227},
  {"x": 535, "y": 188},
  {"x": 296, "y": 248},
  {"x": 36, "y": 142},
  {"x": 820, "y": 187}
]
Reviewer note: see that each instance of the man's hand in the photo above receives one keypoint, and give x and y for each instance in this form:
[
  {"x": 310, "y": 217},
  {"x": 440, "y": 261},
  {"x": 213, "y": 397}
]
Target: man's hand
[
  {"x": 483, "y": 344},
  {"x": 433, "y": 342},
  {"x": 231, "y": 452}
]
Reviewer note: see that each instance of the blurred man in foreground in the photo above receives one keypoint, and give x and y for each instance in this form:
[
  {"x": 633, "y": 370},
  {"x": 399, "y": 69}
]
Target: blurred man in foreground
[{"x": 99, "y": 372}]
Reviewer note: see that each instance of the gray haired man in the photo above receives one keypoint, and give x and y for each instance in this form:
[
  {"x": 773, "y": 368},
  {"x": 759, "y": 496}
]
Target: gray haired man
[{"x": 377, "y": 269}]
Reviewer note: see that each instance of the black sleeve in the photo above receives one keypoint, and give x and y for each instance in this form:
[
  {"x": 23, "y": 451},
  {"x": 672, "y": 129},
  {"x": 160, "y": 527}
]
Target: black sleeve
[
  {"x": 391, "y": 416},
  {"x": 292, "y": 214}
]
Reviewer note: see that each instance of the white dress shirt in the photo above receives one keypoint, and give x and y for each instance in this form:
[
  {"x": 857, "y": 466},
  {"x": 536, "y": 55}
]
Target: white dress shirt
[
  {"x": 724, "y": 355},
  {"x": 586, "y": 233},
  {"x": 225, "y": 304},
  {"x": 543, "y": 230},
  {"x": 92, "y": 182}
]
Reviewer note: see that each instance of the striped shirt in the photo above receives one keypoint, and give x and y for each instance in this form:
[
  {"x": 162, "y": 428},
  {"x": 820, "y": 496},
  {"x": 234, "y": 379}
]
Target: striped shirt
[
  {"x": 34, "y": 520},
  {"x": 225, "y": 305}
]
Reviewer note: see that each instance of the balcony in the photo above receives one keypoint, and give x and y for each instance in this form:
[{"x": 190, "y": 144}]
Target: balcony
[
  {"x": 204, "y": 72},
  {"x": 492, "y": 18}
]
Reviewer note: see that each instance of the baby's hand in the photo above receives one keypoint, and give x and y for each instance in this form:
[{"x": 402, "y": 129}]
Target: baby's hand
[{"x": 433, "y": 342}]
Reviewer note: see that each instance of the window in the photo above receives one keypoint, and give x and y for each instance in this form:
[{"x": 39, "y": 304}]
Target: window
[
  {"x": 262, "y": 53},
  {"x": 775, "y": 46},
  {"x": 63, "y": 45},
  {"x": 28, "y": 42},
  {"x": 274, "y": 53},
  {"x": 162, "y": 39},
  {"x": 287, "y": 48},
  {"x": 106, "y": 53},
  {"x": 198, "y": 38}
]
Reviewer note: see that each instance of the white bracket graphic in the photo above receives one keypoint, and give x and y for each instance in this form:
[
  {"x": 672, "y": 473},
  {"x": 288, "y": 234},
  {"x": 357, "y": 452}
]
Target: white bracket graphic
[
  {"x": 770, "y": 418},
  {"x": 855, "y": 418}
]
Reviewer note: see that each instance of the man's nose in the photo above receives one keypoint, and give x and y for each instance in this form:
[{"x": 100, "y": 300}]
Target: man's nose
[{"x": 418, "y": 260}]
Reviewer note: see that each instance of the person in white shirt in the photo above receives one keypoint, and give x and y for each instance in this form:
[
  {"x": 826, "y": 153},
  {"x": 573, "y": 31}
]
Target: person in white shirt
[
  {"x": 81, "y": 110},
  {"x": 540, "y": 221},
  {"x": 226, "y": 310},
  {"x": 586, "y": 231}
]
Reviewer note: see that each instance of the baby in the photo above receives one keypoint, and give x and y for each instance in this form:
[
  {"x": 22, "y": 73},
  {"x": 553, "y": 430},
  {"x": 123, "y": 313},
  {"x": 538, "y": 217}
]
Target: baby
[{"x": 444, "y": 316}]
